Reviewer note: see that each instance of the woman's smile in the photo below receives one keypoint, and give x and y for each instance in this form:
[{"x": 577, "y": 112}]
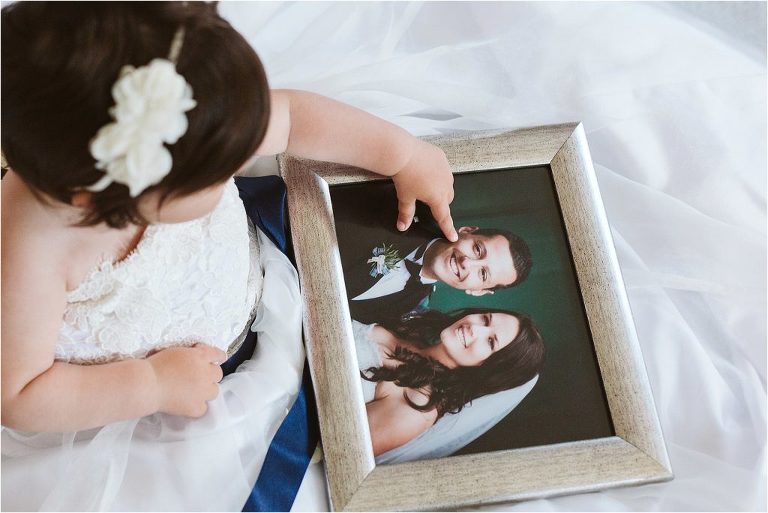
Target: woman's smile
[
  {"x": 460, "y": 331},
  {"x": 474, "y": 337}
]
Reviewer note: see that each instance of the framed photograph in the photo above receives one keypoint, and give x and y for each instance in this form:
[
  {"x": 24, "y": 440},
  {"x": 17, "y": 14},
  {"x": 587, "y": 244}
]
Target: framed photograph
[{"x": 504, "y": 366}]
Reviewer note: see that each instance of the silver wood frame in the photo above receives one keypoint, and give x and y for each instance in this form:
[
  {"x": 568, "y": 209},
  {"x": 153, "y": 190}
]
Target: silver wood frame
[{"x": 636, "y": 454}]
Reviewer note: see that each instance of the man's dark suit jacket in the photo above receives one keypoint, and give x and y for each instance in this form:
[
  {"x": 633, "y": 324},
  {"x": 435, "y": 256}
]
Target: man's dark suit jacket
[{"x": 365, "y": 216}]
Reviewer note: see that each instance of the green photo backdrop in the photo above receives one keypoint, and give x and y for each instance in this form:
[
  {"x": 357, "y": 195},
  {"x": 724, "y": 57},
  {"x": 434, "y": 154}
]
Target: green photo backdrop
[{"x": 568, "y": 401}]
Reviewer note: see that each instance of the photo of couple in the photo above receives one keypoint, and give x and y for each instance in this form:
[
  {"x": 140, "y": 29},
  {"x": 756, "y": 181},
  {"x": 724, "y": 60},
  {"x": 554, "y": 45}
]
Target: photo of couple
[{"x": 447, "y": 334}]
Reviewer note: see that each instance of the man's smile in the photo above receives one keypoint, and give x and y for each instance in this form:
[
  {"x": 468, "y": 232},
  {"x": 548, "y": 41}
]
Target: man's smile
[{"x": 474, "y": 263}]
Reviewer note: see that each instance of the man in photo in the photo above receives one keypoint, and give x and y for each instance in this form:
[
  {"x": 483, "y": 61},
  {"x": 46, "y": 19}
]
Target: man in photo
[{"x": 388, "y": 273}]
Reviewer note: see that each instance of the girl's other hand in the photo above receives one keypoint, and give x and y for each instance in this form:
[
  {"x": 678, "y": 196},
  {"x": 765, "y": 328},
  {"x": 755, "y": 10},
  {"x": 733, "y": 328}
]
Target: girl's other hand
[
  {"x": 187, "y": 377},
  {"x": 426, "y": 177}
]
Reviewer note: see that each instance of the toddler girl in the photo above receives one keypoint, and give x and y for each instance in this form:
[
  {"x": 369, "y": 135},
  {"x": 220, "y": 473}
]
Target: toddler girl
[{"x": 129, "y": 266}]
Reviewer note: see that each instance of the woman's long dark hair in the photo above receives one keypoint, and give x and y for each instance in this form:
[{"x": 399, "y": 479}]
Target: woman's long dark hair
[{"x": 449, "y": 390}]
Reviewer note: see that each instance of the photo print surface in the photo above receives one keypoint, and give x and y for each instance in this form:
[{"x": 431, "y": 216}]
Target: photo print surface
[{"x": 474, "y": 346}]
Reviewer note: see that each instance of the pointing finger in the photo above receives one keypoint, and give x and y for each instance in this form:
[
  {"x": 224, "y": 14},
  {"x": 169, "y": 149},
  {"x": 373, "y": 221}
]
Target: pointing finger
[
  {"x": 442, "y": 214},
  {"x": 406, "y": 211}
]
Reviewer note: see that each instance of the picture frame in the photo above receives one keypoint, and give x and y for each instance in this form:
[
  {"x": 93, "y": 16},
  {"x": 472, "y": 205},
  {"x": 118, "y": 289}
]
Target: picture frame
[{"x": 636, "y": 454}]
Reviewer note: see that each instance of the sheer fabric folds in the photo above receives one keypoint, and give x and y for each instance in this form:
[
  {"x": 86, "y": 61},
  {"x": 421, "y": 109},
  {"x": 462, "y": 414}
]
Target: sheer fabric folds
[{"x": 675, "y": 115}]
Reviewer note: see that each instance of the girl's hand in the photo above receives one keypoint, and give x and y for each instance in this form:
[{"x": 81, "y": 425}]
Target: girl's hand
[
  {"x": 187, "y": 377},
  {"x": 311, "y": 126},
  {"x": 426, "y": 177}
]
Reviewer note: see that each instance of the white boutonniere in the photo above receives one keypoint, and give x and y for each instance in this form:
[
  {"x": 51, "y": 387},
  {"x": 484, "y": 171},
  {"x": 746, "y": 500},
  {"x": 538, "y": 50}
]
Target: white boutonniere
[{"x": 385, "y": 258}]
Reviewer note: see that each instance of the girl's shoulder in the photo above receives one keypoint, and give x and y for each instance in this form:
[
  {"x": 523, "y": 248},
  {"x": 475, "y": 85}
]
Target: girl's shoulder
[
  {"x": 37, "y": 238},
  {"x": 29, "y": 239},
  {"x": 33, "y": 292}
]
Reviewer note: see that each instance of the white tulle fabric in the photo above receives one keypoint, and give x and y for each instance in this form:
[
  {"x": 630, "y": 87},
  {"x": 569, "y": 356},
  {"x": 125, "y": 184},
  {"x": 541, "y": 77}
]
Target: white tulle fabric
[
  {"x": 168, "y": 463},
  {"x": 184, "y": 283},
  {"x": 674, "y": 112},
  {"x": 675, "y": 115}
]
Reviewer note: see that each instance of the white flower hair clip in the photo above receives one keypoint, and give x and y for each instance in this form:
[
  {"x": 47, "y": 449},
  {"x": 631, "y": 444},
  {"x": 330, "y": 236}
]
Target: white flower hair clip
[{"x": 149, "y": 111}]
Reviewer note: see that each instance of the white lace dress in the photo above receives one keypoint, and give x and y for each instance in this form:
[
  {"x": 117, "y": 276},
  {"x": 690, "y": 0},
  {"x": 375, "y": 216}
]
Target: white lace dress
[
  {"x": 183, "y": 283},
  {"x": 188, "y": 282}
]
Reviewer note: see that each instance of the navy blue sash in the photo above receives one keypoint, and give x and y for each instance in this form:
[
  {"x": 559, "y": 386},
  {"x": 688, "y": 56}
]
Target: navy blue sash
[{"x": 292, "y": 447}]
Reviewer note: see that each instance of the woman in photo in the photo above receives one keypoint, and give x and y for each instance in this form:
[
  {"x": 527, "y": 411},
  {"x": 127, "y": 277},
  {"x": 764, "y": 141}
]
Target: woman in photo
[{"x": 432, "y": 365}]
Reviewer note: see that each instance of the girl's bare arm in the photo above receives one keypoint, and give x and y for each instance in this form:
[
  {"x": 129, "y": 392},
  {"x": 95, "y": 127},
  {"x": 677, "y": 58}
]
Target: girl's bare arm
[
  {"x": 313, "y": 126},
  {"x": 39, "y": 394}
]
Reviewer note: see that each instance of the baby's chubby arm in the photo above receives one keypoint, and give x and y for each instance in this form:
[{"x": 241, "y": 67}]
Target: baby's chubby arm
[
  {"x": 39, "y": 394},
  {"x": 312, "y": 126}
]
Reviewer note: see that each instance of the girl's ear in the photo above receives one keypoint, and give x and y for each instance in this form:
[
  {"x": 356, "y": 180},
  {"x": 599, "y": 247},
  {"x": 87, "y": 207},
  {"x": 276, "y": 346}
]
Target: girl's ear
[{"x": 81, "y": 199}]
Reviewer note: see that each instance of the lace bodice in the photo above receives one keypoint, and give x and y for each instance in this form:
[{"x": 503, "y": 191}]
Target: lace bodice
[{"x": 184, "y": 283}]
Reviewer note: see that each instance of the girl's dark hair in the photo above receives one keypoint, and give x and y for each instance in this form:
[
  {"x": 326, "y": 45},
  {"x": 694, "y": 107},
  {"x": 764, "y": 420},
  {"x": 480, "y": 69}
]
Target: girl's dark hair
[
  {"x": 59, "y": 63},
  {"x": 448, "y": 389}
]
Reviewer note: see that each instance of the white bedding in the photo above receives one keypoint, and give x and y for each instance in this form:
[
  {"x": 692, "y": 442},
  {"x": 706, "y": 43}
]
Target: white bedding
[{"x": 675, "y": 115}]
